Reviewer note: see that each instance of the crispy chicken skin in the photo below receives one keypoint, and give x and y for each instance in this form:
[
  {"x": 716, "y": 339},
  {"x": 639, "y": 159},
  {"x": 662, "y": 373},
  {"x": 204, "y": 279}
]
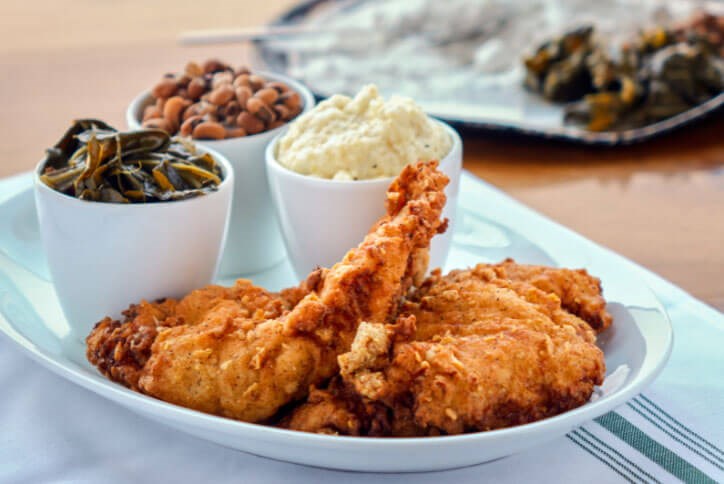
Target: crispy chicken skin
[
  {"x": 579, "y": 292},
  {"x": 339, "y": 410},
  {"x": 472, "y": 350},
  {"x": 246, "y": 361},
  {"x": 121, "y": 349},
  {"x": 486, "y": 353},
  {"x": 444, "y": 304}
]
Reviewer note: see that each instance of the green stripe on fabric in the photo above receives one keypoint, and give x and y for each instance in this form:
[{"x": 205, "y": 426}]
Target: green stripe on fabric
[
  {"x": 682, "y": 426},
  {"x": 641, "y": 441},
  {"x": 603, "y": 453},
  {"x": 604, "y": 444},
  {"x": 604, "y": 461},
  {"x": 674, "y": 437}
]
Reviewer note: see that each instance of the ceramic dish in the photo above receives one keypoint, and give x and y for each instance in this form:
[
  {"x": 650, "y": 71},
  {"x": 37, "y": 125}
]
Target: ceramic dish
[
  {"x": 507, "y": 106},
  {"x": 307, "y": 206},
  {"x": 95, "y": 249},
  {"x": 490, "y": 227},
  {"x": 253, "y": 242}
]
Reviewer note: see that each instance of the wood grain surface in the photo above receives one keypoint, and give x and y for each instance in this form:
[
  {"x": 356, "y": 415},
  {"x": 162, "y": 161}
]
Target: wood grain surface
[{"x": 660, "y": 203}]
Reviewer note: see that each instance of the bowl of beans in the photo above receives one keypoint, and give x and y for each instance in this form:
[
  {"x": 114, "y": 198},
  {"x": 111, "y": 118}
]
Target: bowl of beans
[{"x": 237, "y": 112}]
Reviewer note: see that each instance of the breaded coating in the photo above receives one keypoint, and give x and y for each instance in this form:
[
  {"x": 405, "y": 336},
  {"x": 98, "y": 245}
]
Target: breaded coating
[
  {"x": 483, "y": 348},
  {"x": 339, "y": 410},
  {"x": 246, "y": 364},
  {"x": 120, "y": 349},
  {"x": 580, "y": 293},
  {"x": 372, "y": 347},
  {"x": 485, "y": 353},
  {"x": 439, "y": 310}
]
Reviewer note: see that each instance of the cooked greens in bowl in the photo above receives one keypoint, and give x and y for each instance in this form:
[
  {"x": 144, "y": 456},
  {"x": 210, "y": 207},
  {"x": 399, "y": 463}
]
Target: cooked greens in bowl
[{"x": 93, "y": 161}]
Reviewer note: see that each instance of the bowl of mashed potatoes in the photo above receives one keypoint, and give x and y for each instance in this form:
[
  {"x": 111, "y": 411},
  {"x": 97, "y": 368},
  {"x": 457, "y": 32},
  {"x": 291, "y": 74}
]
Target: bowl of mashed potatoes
[{"x": 329, "y": 172}]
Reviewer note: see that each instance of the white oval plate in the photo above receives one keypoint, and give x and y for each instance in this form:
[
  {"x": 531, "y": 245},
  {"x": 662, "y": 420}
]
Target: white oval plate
[{"x": 641, "y": 338}]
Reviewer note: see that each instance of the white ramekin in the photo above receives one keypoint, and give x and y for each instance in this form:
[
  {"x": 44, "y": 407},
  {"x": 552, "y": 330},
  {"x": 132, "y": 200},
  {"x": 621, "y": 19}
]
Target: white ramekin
[
  {"x": 254, "y": 242},
  {"x": 322, "y": 219},
  {"x": 105, "y": 256}
]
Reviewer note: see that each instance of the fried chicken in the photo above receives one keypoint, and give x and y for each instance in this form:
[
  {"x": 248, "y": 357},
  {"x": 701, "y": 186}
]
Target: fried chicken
[
  {"x": 580, "y": 293},
  {"x": 120, "y": 350},
  {"x": 478, "y": 349},
  {"x": 245, "y": 358},
  {"x": 370, "y": 347},
  {"x": 338, "y": 409}
]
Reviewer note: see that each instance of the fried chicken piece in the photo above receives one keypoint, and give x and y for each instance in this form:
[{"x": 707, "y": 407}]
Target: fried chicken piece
[
  {"x": 333, "y": 411},
  {"x": 230, "y": 363},
  {"x": 485, "y": 353},
  {"x": 339, "y": 410},
  {"x": 451, "y": 314},
  {"x": 438, "y": 310},
  {"x": 579, "y": 292},
  {"x": 121, "y": 349}
]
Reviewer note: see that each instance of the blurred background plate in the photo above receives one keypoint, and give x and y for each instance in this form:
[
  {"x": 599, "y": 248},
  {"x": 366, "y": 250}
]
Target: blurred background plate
[{"x": 478, "y": 82}]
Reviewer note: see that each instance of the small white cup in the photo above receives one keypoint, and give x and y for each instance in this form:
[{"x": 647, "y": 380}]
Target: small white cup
[
  {"x": 254, "y": 242},
  {"x": 105, "y": 256},
  {"x": 322, "y": 219}
]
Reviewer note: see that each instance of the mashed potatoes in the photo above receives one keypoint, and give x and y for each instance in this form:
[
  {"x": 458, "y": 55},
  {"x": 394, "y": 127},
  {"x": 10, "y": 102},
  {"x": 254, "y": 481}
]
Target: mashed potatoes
[{"x": 361, "y": 138}]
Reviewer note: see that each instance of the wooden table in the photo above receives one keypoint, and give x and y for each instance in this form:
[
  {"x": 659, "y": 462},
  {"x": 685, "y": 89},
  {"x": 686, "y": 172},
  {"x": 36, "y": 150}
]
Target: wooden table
[{"x": 660, "y": 203}]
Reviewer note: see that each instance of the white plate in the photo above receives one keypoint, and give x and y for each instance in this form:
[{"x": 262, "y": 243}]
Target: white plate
[{"x": 491, "y": 227}]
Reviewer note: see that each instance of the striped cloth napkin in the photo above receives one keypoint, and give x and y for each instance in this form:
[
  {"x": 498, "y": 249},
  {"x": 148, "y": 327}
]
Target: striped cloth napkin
[
  {"x": 642, "y": 442},
  {"x": 673, "y": 432}
]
